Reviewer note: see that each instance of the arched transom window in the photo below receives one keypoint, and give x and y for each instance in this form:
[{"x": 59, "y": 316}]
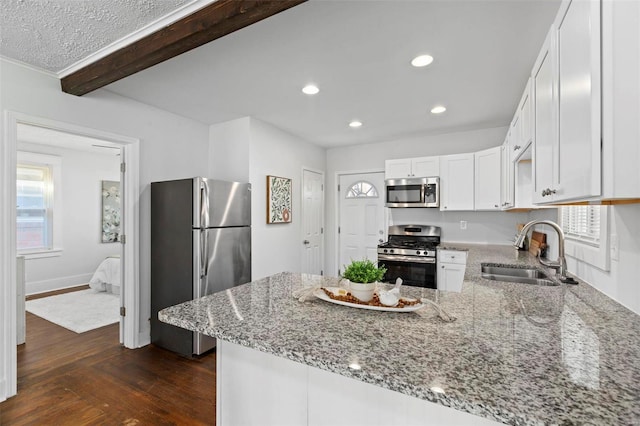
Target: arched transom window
[{"x": 362, "y": 189}]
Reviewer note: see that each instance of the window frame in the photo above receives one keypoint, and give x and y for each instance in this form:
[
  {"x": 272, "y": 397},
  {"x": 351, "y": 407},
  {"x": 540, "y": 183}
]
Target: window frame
[
  {"x": 350, "y": 190},
  {"x": 55, "y": 214},
  {"x": 586, "y": 251}
]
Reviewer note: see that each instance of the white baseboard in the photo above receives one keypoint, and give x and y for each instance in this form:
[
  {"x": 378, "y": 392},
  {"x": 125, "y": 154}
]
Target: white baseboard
[{"x": 35, "y": 287}]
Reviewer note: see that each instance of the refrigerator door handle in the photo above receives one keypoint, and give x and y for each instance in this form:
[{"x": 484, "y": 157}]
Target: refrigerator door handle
[
  {"x": 204, "y": 204},
  {"x": 204, "y": 253}
]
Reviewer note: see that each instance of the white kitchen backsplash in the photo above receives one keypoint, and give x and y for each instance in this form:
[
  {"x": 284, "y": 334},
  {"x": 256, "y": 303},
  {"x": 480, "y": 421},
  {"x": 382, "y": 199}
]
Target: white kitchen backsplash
[{"x": 479, "y": 227}]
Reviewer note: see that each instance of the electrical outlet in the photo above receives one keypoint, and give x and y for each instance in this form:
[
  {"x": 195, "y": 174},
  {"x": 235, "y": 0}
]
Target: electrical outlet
[
  {"x": 463, "y": 224},
  {"x": 615, "y": 247}
]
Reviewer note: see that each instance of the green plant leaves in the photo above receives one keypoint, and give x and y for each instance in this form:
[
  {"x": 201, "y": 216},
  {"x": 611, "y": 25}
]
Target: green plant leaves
[{"x": 363, "y": 271}]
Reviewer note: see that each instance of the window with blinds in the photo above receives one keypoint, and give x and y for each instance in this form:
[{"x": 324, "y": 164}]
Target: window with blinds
[
  {"x": 581, "y": 223},
  {"x": 34, "y": 207}
]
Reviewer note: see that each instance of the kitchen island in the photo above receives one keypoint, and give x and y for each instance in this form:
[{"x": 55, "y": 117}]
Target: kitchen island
[{"x": 517, "y": 353}]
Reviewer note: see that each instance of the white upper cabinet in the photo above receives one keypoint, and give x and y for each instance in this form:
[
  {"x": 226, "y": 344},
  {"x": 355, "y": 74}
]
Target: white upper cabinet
[
  {"x": 426, "y": 166},
  {"x": 545, "y": 93},
  {"x": 566, "y": 87},
  {"x": 412, "y": 167},
  {"x": 579, "y": 141},
  {"x": 457, "y": 182},
  {"x": 522, "y": 125},
  {"x": 507, "y": 193},
  {"x": 620, "y": 100},
  {"x": 488, "y": 165}
]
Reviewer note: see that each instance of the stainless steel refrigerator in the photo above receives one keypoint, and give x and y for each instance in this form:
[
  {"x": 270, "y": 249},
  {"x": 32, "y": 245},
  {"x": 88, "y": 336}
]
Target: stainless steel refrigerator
[{"x": 200, "y": 244}]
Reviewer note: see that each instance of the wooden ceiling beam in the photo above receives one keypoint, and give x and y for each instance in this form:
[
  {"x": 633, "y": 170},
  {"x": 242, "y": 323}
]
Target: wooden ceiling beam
[{"x": 207, "y": 24}]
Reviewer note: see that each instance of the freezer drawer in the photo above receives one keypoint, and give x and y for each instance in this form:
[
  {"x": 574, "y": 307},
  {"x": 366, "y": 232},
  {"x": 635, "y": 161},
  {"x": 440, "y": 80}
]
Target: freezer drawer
[{"x": 220, "y": 203}]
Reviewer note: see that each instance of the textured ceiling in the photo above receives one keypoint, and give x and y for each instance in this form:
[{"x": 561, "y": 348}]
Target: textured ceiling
[{"x": 55, "y": 34}]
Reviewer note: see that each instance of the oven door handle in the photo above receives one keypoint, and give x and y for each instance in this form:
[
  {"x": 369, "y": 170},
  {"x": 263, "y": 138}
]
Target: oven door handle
[{"x": 406, "y": 259}]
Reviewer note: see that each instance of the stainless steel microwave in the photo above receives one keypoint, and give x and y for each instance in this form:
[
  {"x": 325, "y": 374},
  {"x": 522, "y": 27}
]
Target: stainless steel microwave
[{"x": 413, "y": 192}]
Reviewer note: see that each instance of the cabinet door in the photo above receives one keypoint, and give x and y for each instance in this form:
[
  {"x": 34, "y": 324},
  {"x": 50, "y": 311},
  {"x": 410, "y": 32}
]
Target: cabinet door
[
  {"x": 579, "y": 102},
  {"x": 426, "y": 166},
  {"x": 456, "y": 182},
  {"x": 507, "y": 178},
  {"x": 544, "y": 81},
  {"x": 400, "y": 168},
  {"x": 450, "y": 276},
  {"x": 526, "y": 134},
  {"x": 523, "y": 133},
  {"x": 487, "y": 179}
]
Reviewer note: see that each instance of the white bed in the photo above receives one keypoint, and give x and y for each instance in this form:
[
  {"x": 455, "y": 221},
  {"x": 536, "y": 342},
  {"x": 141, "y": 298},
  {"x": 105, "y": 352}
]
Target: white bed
[{"x": 107, "y": 276}]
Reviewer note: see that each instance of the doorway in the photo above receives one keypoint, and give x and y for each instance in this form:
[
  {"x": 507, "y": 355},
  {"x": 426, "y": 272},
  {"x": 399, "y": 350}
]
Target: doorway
[
  {"x": 362, "y": 221},
  {"x": 312, "y": 222},
  {"x": 129, "y": 148}
]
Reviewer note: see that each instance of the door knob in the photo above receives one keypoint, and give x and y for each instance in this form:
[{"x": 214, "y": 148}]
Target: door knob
[
  {"x": 380, "y": 241},
  {"x": 305, "y": 242}
]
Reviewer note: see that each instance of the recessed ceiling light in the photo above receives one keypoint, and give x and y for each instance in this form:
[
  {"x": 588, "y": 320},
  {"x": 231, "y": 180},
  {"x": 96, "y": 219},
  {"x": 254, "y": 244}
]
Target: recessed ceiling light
[
  {"x": 310, "y": 89},
  {"x": 355, "y": 124},
  {"x": 422, "y": 60},
  {"x": 438, "y": 109}
]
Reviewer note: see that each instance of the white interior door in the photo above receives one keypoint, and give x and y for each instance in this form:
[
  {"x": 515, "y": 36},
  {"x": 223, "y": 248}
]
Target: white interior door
[
  {"x": 362, "y": 221},
  {"x": 312, "y": 222}
]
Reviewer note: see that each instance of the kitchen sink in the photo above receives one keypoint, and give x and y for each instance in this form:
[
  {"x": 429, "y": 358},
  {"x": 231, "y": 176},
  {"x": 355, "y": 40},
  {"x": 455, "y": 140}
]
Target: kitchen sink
[{"x": 515, "y": 274}]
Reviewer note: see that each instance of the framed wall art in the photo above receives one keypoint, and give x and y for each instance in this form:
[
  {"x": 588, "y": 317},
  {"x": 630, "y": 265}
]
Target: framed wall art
[
  {"x": 278, "y": 199},
  {"x": 110, "y": 211}
]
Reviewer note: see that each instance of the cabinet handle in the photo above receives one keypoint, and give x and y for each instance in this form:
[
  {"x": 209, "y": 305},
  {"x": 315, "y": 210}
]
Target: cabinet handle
[
  {"x": 495, "y": 205},
  {"x": 516, "y": 147}
]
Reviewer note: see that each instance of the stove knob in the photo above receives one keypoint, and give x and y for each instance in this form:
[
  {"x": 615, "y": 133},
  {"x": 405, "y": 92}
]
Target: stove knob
[
  {"x": 418, "y": 252},
  {"x": 385, "y": 250},
  {"x": 391, "y": 251}
]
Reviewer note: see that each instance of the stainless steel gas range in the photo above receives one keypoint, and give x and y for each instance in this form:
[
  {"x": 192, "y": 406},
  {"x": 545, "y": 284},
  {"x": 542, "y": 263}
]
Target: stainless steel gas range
[{"x": 410, "y": 254}]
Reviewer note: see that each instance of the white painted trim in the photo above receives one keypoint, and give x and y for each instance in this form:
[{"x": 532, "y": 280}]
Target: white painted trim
[
  {"x": 149, "y": 29},
  {"x": 40, "y": 254},
  {"x": 29, "y": 66},
  {"x": 131, "y": 250},
  {"x": 599, "y": 256},
  {"x": 35, "y": 287},
  {"x": 8, "y": 291},
  {"x": 130, "y": 295}
]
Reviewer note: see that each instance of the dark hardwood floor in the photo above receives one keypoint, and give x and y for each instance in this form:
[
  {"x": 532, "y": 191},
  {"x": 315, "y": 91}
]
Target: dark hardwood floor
[{"x": 65, "y": 378}]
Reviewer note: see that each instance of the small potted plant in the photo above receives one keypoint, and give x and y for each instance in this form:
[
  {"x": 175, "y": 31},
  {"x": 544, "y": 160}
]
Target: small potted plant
[{"x": 362, "y": 276}]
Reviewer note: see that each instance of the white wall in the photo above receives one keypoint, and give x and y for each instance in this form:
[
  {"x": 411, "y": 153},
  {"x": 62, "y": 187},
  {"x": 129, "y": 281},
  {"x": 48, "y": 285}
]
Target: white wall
[
  {"x": 271, "y": 151},
  {"x": 230, "y": 144},
  {"x": 482, "y": 227},
  {"x": 622, "y": 281},
  {"x": 371, "y": 157},
  {"x": 82, "y": 173},
  {"x": 171, "y": 146}
]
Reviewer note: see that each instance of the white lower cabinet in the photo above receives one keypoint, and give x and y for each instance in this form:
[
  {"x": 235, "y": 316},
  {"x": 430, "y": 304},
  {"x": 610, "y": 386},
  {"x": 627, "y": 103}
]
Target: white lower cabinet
[
  {"x": 451, "y": 267},
  {"x": 256, "y": 388}
]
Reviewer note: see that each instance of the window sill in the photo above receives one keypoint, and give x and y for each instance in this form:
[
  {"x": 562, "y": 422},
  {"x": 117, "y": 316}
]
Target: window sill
[{"x": 40, "y": 254}]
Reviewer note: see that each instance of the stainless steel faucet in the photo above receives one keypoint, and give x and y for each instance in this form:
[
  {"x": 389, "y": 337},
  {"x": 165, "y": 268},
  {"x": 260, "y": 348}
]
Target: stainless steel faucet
[{"x": 561, "y": 264}]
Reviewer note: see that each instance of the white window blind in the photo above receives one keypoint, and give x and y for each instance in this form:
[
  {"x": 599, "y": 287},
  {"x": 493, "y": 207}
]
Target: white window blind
[
  {"x": 34, "y": 207},
  {"x": 581, "y": 223}
]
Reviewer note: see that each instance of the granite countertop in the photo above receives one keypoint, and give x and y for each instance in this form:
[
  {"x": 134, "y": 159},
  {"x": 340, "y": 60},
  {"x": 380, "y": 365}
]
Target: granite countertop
[{"x": 518, "y": 353}]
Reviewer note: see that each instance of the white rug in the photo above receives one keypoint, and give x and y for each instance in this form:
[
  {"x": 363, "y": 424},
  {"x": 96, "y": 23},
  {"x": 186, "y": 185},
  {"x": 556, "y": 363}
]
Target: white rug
[{"x": 78, "y": 311}]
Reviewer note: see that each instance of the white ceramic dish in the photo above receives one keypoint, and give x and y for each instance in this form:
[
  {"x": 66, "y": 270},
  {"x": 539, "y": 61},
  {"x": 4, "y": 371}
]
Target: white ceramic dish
[{"x": 320, "y": 294}]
